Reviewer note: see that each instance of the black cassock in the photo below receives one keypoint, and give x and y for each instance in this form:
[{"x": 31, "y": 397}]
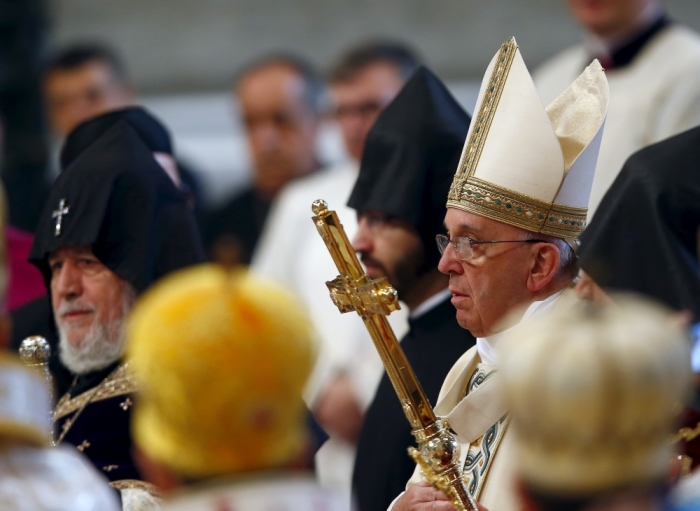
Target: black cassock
[
  {"x": 382, "y": 467},
  {"x": 96, "y": 414}
]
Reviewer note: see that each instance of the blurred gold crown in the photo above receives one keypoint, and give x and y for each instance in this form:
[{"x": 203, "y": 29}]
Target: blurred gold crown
[
  {"x": 594, "y": 393},
  {"x": 221, "y": 358}
]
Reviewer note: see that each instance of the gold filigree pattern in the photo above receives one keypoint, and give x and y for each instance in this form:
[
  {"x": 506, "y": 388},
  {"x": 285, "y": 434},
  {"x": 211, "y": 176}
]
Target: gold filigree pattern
[
  {"x": 504, "y": 205},
  {"x": 84, "y": 445},
  {"x": 497, "y": 203},
  {"x": 687, "y": 434},
  {"x": 109, "y": 468},
  {"x": 472, "y": 194},
  {"x": 118, "y": 383},
  {"x": 131, "y": 484},
  {"x": 565, "y": 221},
  {"x": 481, "y": 452},
  {"x": 482, "y": 123}
]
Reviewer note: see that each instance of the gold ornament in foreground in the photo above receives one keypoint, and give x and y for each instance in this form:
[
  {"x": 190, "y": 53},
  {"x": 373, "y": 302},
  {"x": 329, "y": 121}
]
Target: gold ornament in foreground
[{"x": 438, "y": 450}]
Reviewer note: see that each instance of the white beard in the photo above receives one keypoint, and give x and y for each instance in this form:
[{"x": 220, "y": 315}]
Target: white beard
[{"x": 102, "y": 345}]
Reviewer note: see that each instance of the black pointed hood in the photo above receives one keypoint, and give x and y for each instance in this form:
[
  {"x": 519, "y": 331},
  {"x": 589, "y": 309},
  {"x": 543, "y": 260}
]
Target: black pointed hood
[
  {"x": 151, "y": 131},
  {"x": 118, "y": 200},
  {"x": 410, "y": 158},
  {"x": 644, "y": 235}
]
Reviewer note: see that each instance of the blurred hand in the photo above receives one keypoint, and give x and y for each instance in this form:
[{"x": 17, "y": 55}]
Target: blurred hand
[
  {"x": 423, "y": 497},
  {"x": 338, "y": 411}
]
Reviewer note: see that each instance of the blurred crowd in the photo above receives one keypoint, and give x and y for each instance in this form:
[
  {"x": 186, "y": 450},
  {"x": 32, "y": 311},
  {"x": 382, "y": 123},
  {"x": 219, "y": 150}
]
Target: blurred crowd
[{"x": 239, "y": 365}]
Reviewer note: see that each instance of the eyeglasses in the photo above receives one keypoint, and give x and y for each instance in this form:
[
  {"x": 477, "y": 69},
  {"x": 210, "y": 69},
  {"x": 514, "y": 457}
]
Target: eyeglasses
[{"x": 464, "y": 246}]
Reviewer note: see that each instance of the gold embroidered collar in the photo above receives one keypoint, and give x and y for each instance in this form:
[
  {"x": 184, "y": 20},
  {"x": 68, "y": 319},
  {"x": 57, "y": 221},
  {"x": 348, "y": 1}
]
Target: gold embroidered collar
[{"x": 117, "y": 383}]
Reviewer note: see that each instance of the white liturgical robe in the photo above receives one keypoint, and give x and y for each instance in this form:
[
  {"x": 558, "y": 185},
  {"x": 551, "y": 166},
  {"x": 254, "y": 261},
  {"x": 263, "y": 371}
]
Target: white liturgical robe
[
  {"x": 654, "y": 97},
  {"x": 487, "y": 461}
]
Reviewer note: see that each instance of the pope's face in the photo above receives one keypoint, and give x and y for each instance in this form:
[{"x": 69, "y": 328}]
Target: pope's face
[
  {"x": 84, "y": 292},
  {"x": 389, "y": 248},
  {"x": 493, "y": 282}
]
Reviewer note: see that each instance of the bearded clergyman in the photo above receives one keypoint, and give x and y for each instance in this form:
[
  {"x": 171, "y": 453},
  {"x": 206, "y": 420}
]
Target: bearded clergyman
[{"x": 114, "y": 223}]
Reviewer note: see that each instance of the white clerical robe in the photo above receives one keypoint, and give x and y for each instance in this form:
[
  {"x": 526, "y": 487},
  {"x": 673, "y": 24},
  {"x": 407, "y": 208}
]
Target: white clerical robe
[
  {"x": 259, "y": 494},
  {"x": 57, "y": 479},
  {"x": 487, "y": 461},
  {"x": 654, "y": 97},
  {"x": 292, "y": 253}
]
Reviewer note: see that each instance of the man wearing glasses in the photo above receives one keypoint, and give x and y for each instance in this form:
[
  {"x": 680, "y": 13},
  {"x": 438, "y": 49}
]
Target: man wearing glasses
[
  {"x": 515, "y": 209},
  {"x": 413, "y": 147}
]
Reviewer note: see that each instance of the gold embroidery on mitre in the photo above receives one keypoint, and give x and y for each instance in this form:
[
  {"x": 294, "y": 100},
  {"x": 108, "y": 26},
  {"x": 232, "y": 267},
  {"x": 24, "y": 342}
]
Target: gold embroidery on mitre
[
  {"x": 482, "y": 123},
  {"x": 499, "y": 203},
  {"x": 565, "y": 221}
]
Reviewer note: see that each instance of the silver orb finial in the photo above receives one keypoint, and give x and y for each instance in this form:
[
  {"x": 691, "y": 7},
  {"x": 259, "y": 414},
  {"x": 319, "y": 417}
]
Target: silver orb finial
[{"x": 35, "y": 350}]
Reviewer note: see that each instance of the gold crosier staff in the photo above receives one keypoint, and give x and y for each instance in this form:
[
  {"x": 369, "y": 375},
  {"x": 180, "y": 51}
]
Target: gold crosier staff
[{"x": 438, "y": 450}]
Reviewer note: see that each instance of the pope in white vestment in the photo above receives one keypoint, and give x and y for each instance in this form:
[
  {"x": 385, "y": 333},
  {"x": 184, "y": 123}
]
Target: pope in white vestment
[
  {"x": 516, "y": 207},
  {"x": 487, "y": 460}
]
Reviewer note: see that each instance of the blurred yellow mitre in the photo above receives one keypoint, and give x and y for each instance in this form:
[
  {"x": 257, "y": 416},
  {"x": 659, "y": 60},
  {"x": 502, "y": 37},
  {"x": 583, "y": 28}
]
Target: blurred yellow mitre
[
  {"x": 593, "y": 394},
  {"x": 221, "y": 359}
]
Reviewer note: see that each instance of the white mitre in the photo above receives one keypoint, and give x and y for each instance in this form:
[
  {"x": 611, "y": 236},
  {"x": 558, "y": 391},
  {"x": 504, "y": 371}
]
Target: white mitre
[
  {"x": 526, "y": 165},
  {"x": 33, "y": 475},
  {"x": 593, "y": 394}
]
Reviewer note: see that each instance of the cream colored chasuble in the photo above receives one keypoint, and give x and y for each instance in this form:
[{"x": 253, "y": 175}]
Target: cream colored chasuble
[{"x": 480, "y": 421}]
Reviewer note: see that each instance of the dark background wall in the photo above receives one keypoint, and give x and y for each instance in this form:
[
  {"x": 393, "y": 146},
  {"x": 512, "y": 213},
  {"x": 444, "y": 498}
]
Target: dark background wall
[{"x": 186, "y": 45}]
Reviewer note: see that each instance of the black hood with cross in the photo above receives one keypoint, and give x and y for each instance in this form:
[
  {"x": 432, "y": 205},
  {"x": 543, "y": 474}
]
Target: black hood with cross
[{"x": 115, "y": 198}]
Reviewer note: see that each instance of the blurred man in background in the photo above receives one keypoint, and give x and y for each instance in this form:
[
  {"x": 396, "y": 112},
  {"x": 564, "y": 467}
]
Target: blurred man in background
[
  {"x": 81, "y": 82},
  {"x": 653, "y": 67},
  {"x": 84, "y": 81},
  {"x": 281, "y": 101},
  {"x": 362, "y": 83},
  {"x": 221, "y": 419}
]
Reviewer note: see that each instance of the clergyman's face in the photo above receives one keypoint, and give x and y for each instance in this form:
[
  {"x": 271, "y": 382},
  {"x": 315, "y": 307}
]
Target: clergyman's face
[
  {"x": 389, "y": 248},
  {"x": 73, "y": 96},
  {"x": 359, "y": 101},
  {"x": 494, "y": 281},
  {"x": 280, "y": 125},
  {"x": 90, "y": 302}
]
